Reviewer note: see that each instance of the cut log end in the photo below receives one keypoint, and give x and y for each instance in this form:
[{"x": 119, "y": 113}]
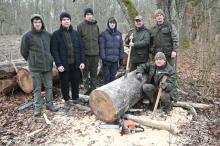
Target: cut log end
[
  {"x": 24, "y": 80},
  {"x": 98, "y": 101}
]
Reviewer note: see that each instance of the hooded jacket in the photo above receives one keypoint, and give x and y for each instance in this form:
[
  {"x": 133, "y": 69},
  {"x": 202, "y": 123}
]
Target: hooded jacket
[
  {"x": 35, "y": 48},
  {"x": 111, "y": 44}
]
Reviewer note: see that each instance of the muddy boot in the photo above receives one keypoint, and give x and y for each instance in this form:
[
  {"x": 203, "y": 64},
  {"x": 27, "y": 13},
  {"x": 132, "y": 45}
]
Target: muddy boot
[
  {"x": 67, "y": 105},
  {"x": 52, "y": 108},
  {"x": 37, "y": 112}
]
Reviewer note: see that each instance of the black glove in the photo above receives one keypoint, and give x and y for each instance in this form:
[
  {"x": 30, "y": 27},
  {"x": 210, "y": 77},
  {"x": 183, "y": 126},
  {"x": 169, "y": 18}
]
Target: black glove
[
  {"x": 163, "y": 85},
  {"x": 139, "y": 76},
  {"x": 120, "y": 62}
]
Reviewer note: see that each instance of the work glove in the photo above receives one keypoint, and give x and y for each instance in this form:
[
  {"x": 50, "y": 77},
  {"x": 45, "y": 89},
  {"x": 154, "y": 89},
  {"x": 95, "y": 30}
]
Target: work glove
[
  {"x": 139, "y": 76},
  {"x": 120, "y": 62},
  {"x": 163, "y": 85}
]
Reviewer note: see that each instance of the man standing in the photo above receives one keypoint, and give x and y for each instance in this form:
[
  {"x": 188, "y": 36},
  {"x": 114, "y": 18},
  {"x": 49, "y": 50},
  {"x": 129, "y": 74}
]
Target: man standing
[
  {"x": 164, "y": 38},
  {"x": 111, "y": 50},
  {"x": 68, "y": 54},
  {"x": 139, "y": 39},
  {"x": 35, "y": 48},
  {"x": 89, "y": 32},
  {"x": 155, "y": 72}
]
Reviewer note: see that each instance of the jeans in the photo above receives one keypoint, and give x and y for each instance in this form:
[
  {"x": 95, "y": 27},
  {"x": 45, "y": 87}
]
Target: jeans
[{"x": 110, "y": 70}]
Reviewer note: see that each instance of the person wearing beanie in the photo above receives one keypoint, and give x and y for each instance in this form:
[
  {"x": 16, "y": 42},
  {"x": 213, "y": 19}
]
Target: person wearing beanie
[
  {"x": 68, "y": 53},
  {"x": 111, "y": 50},
  {"x": 89, "y": 33},
  {"x": 154, "y": 72},
  {"x": 35, "y": 49},
  {"x": 138, "y": 39},
  {"x": 164, "y": 38}
]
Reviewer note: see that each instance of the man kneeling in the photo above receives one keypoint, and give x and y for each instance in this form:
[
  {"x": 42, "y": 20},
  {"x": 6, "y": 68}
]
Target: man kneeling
[{"x": 155, "y": 72}]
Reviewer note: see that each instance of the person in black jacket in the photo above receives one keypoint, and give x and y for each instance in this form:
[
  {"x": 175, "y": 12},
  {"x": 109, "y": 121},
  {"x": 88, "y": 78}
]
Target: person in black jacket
[
  {"x": 68, "y": 54},
  {"x": 111, "y": 50}
]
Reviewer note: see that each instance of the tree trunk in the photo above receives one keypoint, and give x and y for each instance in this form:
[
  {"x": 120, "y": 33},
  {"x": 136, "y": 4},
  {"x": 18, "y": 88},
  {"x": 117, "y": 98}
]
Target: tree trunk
[
  {"x": 114, "y": 99},
  {"x": 8, "y": 71},
  {"x": 7, "y": 85}
]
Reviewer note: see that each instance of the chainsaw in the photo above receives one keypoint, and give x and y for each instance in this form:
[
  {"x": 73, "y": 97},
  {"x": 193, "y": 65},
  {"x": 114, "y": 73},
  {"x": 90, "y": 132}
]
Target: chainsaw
[{"x": 125, "y": 127}]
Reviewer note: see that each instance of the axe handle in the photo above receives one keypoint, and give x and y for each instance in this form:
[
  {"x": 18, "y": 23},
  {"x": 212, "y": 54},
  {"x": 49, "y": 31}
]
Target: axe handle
[
  {"x": 158, "y": 97},
  {"x": 128, "y": 60}
]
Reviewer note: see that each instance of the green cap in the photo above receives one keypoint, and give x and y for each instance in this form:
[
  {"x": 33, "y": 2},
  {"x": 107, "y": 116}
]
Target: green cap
[{"x": 160, "y": 55}]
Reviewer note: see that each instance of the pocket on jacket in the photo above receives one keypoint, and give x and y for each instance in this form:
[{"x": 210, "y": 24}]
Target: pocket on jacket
[{"x": 165, "y": 30}]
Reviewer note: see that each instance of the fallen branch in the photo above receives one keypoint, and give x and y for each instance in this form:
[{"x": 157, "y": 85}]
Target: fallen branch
[
  {"x": 46, "y": 119},
  {"x": 195, "y": 105},
  {"x": 153, "y": 123},
  {"x": 36, "y": 131}
]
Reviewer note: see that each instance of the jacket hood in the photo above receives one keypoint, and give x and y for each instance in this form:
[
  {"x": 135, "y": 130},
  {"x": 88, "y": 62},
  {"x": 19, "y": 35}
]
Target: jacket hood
[
  {"x": 92, "y": 22},
  {"x": 112, "y": 19},
  {"x": 37, "y": 16}
]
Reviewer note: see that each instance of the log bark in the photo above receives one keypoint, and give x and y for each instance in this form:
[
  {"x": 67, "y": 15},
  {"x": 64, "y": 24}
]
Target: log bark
[
  {"x": 114, "y": 99},
  {"x": 153, "y": 123},
  {"x": 8, "y": 71},
  {"x": 7, "y": 85}
]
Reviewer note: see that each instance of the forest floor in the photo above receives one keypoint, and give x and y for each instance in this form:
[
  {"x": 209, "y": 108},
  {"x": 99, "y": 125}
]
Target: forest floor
[{"x": 77, "y": 127}]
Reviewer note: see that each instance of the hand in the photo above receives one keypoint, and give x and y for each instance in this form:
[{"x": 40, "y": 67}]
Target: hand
[
  {"x": 104, "y": 62},
  {"x": 163, "y": 85},
  {"x": 60, "y": 69},
  {"x": 173, "y": 54},
  {"x": 82, "y": 66},
  {"x": 139, "y": 76},
  {"x": 120, "y": 62},
  {"x": 131, "y": 44},
  {"x": 131, "y": 37}
]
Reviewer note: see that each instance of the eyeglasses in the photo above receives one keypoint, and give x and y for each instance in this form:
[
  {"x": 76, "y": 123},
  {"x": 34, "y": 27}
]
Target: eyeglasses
[{"x": 138, "y": 20}]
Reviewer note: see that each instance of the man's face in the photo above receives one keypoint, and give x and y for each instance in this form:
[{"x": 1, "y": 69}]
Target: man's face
[
  {"x": 37, "y": 24},
  {"x": 159, "y": 18},
  {"x": 89, "y": 17},
  {"x": 112, "y": 25},
  {"x": 160, "y": 62},
  {"x": 66, "y": 22},
  {"x": 139, "y": 23}
]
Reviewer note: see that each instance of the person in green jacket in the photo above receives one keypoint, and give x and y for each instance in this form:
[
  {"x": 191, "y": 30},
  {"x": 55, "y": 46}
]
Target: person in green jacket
[
  {"x": 89, "y": 33},
  {"x": 35, "y": 49},
  {"x": 139, "y": 40},
  {"x": 155, "y": 72}
]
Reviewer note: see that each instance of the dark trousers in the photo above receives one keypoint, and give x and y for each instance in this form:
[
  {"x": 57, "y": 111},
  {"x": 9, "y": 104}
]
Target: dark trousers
[
  {"x": 70, "y": 78},
  {"x": 110, "y": 70}
]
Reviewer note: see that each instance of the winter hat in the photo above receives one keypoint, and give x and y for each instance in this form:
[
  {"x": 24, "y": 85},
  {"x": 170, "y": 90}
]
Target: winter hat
[
  {"x": 159, "y": 11},
  {"x": 88, "y": 10},
  {"x": 64, "y": 14},
  {"x": 160, "y": 55}
]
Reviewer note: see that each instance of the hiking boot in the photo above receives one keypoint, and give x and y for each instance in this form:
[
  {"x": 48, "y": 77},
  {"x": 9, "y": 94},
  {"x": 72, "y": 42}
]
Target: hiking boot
[
  {"x": 77, "y": 101},
  {"x": 167, "y": 109},
  {"x": 37, "y": 112},
  {"x": 52, "y": 108},
  {"x": 67, "y": 105}
]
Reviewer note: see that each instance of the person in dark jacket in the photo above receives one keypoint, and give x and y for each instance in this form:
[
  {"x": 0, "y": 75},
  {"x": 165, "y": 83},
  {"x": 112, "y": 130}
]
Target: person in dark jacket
[
  {"x": 111, "y": 50},
  {"x": 139, "y": 40},
  {"x": 155, "y": 72},
  {"x": 68, "y": 54},
  {"x": 89, "y": 33},
  {"x": 35, "y": 48},
  {"x": 165, "y": 38}
]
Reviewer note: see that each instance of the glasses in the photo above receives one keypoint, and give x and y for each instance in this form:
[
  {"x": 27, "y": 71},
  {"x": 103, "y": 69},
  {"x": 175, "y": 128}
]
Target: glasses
[{"x": 138, "y": 20}]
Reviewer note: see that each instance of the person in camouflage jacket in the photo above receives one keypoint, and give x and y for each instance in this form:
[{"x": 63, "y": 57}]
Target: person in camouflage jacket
[
  {"x": 164, "y": 38},
  {"x": 139, "y": 41},
  {"x": 155, "y": 72}
]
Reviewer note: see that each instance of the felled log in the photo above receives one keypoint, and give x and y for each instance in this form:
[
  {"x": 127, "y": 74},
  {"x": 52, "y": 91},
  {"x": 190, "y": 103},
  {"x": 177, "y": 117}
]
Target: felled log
[
  {"x": 112, "y": 100},
  {"x": 195, "y": 105},
  {"x": 8, "y": 71},
  {"x": 7, "y": 85},
  {"x": 153, "y": 123}
]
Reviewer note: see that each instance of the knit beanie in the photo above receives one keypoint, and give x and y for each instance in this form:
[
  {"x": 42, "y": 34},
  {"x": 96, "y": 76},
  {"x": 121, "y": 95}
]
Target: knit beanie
[
  {"x": 159, "y": 11},
  {"x": 88, "y": 10},
  {"x": 160, "y": 55},
  {"x": 64, "y": 14}
]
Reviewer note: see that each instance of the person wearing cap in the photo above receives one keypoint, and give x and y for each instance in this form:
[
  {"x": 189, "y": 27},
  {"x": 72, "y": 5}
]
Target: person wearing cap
[
  {"x": 111, "y": 50},
  {"x": 89, "y": 33},
  {"x": 154, "y": 72},
  {"x": 68, "y": 54},
  {"x": 35, "y": 49},
  {"x": 164, "y": 38},
  {"x": 139, "y": 40}
]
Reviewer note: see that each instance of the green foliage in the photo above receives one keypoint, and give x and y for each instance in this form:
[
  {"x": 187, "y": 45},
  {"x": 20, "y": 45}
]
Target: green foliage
[
  {"x": 132, "y": 11},
  {"x": 195, "y": 2},
  {"x": 186, "y": 43}
]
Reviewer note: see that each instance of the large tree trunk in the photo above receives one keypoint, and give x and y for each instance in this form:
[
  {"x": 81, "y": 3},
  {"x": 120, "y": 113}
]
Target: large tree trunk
[
  {"x": 7, "y": 85},
  {"x": 8, "y": 71},
  {"x": 114, "y": 99}
]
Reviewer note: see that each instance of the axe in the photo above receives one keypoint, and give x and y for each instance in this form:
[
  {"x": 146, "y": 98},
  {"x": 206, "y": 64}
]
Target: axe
[{"x": 128, "y": 59}]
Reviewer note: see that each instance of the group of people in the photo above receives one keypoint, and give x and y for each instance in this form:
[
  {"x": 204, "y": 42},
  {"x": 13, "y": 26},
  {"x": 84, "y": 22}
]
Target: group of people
[{"x": 77, "y": 52}]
